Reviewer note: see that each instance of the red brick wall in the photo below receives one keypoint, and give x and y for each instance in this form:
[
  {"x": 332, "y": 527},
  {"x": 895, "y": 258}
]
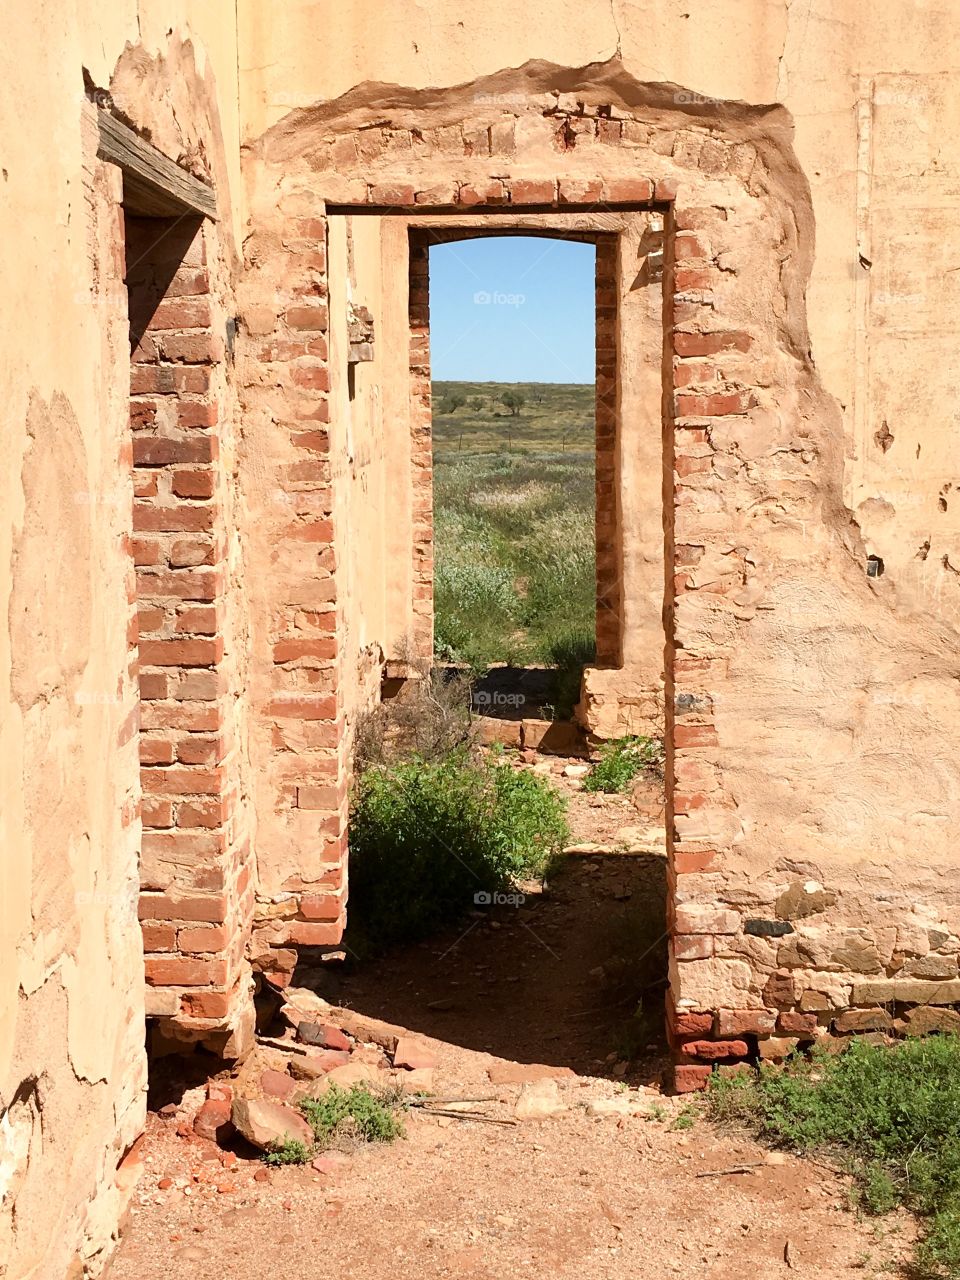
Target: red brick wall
[
  {"x": 196, "y": 868},
  {"x": 421, "y": 444},
  {"x": 298, "y": 725}
]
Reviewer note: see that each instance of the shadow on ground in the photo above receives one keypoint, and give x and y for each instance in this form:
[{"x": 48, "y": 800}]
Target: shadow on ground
[{"x": 572, "y": 977}]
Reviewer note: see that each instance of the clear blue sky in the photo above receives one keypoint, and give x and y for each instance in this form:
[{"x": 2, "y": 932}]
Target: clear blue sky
[{"x": 512, "y": 309}]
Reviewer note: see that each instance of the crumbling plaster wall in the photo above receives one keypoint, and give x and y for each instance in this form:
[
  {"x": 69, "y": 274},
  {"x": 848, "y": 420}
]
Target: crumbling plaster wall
[
  {"x": 811, "y": 861},
  {"x": 875, "y": 135},
  {"x": 72, "y": 1064}
]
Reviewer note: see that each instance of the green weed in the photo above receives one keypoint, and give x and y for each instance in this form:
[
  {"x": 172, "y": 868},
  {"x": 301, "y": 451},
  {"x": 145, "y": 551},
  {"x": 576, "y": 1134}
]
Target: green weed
[
  {"x": 290, "y": 1151},
  {"x": 356, "y": 1112},
  {"x": 890, "y": 1115},
  {"x": 621, "y": 761},
  {"x": 426, "y": 837}
]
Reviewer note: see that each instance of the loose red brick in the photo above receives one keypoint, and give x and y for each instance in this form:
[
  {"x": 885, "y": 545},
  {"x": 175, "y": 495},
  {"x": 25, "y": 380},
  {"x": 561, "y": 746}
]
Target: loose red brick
[
  {"x": 687, "y": 375},
  {"x": 745, "y": 1022},
  {"x": 713, "y": 1050},
  {"x": 200, "y": 620},
  {"x": 191, "y": 552},
  {"x": 151, "y": 380},
  {"x": 150, "y": 619},
  {"x": 212, "y": 1121},
  {"x": 690, "y": 1079},
  {"x": 315, "y": 441},
  {"x": 580, "y": 190},
  {"x": 145, "y": 551},
  {"x": 142, "y": 415}
]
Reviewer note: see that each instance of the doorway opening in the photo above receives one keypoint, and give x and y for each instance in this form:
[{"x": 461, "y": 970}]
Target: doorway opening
[
  {"x": 517, "y": 582},
  {"x": 513, "y": 341}
]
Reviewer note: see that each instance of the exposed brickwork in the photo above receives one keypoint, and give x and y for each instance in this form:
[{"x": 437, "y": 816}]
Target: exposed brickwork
[
  {"x": 763, "y": 955},
  {"x": 299, "y": 722},
  {"x": 609, "y": 617},
  {"x": 421, "y": 444},
  {"x": 195, "y": 862}
]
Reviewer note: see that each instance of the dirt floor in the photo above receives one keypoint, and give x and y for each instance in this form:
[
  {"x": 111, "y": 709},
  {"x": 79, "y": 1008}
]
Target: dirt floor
[{"x": 614, "y": 1180}]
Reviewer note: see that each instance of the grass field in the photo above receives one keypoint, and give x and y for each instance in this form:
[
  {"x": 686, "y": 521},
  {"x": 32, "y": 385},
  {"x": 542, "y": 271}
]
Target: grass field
[{"x": 514, "y": 517}]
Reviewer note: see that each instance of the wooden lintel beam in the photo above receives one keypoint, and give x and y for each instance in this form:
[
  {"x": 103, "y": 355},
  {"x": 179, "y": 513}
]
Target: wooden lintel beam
[{"x": 153, "y": 184}]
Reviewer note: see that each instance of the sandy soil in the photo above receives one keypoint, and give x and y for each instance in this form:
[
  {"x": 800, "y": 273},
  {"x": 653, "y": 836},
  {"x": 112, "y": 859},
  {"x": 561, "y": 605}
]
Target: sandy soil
[{"x": 555, "y": 980}]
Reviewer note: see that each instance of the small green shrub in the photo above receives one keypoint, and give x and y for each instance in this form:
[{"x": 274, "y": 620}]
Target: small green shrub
[
  {"x": 620, "y": 762},
  {"x": 290, "y": 1151},
  {"x": 426, "y": 837},
  {"x": 355, "y": 1112},
  {"x": 892, "y": 1117}
]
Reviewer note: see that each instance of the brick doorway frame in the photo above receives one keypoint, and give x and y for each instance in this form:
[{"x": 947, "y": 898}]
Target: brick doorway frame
[
  {"x": 485, "y": 149},
  {"x": 196, "y": 874}
]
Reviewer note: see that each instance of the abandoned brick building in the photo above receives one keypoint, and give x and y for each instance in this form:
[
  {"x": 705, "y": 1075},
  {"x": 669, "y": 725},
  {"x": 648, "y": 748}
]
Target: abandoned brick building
[{"x": 217, "y": 515}]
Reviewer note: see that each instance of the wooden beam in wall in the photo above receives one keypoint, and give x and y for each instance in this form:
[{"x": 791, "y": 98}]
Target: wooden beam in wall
[{"x": 153, "y": 184}]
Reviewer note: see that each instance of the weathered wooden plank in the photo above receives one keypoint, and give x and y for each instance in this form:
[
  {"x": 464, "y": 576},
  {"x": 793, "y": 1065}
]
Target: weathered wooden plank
[{"x": 153, "y": 183}]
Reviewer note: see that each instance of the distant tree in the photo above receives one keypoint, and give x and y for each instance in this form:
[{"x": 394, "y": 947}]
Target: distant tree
[
  {"x": 514, "y": 400},
  {"x": 452, "y": 402},
  {"x": 476, "y": 404}
]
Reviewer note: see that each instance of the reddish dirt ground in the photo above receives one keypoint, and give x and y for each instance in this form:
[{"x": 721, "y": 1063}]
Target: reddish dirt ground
[{"x": 555, "y": 980}]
